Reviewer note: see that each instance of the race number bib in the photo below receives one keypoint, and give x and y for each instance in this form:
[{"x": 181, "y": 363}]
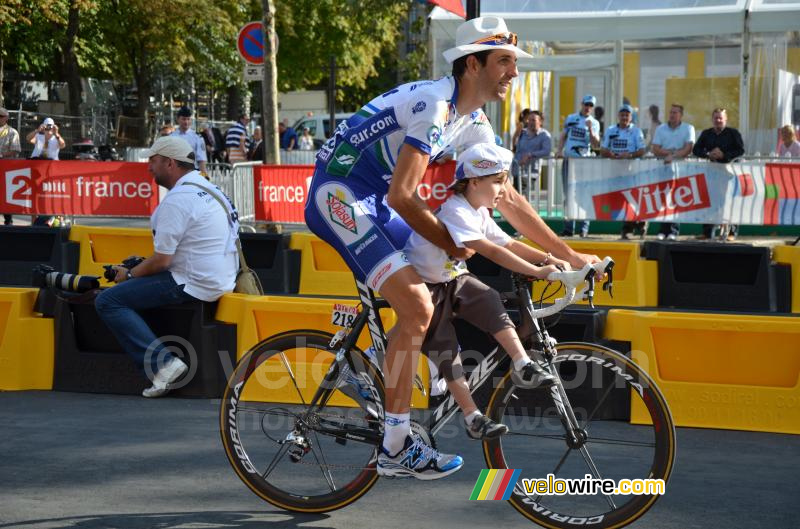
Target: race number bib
[{"x": 343, "y": 315}]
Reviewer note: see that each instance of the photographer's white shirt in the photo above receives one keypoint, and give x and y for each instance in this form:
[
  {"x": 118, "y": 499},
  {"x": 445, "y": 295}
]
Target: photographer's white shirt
[
  {"x": 191, "y": 226},
  {"x": 465, "y": 224},
  {"x": 52, "y": 147}
]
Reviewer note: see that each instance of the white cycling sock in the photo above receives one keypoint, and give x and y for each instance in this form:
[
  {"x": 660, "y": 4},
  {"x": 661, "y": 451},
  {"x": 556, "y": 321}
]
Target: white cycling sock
[
  {"x": 471, "y": 417},
  {"x": 396, "y": 428},
  {"x": 522, "y": 362}
]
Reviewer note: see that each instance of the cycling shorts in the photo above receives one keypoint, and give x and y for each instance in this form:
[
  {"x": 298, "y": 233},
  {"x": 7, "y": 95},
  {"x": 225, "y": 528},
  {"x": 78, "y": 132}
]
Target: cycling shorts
[{"x": 358, "y": 223}]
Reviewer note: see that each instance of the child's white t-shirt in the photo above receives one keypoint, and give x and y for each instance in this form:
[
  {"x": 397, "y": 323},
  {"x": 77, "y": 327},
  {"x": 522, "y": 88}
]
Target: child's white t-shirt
[{"x": 465, "y": 224}]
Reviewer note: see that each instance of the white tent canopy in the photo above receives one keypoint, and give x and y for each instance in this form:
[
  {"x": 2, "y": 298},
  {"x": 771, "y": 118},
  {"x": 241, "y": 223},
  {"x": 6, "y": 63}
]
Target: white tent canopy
[
  {"x": 583, "y": 32},
  {"x": 604, "y": 20}
]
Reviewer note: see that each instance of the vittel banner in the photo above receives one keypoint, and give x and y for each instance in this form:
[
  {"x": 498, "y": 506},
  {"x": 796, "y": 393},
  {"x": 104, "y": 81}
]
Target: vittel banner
[{"x": 698, "y": 191}]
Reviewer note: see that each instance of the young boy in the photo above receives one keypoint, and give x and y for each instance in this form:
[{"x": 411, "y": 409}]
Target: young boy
[{"x": 481, "y": 174}]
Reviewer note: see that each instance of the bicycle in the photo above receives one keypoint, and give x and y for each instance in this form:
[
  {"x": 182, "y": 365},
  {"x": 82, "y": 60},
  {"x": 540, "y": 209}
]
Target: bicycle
[{"x": 321, "y": 455}]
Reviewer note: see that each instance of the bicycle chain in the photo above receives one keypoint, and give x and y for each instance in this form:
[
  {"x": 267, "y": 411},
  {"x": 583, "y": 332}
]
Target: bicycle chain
[{"x": 334, "y": 466}]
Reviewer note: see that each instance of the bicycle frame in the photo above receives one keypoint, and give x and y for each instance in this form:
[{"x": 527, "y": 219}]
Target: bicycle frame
[{"x": 368, "y": 316}]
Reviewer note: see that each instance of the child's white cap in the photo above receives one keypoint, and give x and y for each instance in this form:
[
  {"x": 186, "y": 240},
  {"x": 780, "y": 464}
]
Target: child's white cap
[{"x": 482, "y": 159}]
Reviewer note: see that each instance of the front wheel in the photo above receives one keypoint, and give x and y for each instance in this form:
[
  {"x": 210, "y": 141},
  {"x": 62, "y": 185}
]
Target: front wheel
[
  {"x": 300, "y": 432},
  {"x": 625, "y": 431}
]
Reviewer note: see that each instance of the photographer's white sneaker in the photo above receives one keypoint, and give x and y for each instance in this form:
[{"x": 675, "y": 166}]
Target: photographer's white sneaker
[{"x": 172, "y": 371}]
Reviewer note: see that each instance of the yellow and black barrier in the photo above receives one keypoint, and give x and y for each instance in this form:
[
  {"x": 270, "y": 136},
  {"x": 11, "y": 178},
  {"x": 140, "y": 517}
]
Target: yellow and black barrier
[
  {"x": 790, "y": 255},
  {"x": 259, "y": 317},
  {"x": 323, "y": 272},
  {"x": 108, "y": 246},
  {"x": 26, "y": 342},
  {"x": 732, "y": 371},
  {"x": 23, "y": 247},
  {"x": 635, "y": 278}
]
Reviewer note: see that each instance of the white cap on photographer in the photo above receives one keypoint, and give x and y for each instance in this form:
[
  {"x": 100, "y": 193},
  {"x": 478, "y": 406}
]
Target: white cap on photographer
[
  {"x": 48, "y": 121},
  {"x": 482, "y": 159},
  {"x": 171, "y": 147}
]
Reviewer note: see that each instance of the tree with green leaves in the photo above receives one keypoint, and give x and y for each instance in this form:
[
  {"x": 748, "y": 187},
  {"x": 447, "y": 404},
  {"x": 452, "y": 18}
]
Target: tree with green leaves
[{"x": 362, "y": 35}]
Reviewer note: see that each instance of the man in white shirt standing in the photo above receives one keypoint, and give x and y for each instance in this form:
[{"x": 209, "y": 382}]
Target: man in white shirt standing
[
  {"x": 46, "y": 140},
  {"x": 9, "y": 147},
  {"x": 194, "y": 140},
  {"x": 673, "y": 140},
  {"x": 195, "y": 258}
]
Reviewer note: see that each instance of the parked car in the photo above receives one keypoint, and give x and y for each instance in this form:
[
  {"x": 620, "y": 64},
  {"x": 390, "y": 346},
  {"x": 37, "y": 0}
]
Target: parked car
[{"x": 319, "y": 126}]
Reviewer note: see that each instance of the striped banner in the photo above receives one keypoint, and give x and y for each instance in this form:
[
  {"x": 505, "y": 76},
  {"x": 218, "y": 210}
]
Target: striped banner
[{"x": 495, "y": 484}]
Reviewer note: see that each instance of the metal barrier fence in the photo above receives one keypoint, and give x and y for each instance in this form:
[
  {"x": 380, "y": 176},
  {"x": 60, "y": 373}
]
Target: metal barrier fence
[
  {"x": 72, "y": 128},
  {"x": 543, "y": 189},
  {"x": 297, "y": 157},
  {"x": 237, "y": 183}
]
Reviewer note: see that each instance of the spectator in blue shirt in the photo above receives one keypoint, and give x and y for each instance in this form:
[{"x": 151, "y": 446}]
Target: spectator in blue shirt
[
  {"x": 581, "y": 132},
  {"x": 624, "y": 141},
  {"x": 288, "y": 136},
  {"x": 534, "y": 143}
]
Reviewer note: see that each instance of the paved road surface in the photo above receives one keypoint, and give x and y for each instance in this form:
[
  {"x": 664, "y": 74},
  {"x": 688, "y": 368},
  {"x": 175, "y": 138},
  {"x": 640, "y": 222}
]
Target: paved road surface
[{"x": 103, "y": 461}]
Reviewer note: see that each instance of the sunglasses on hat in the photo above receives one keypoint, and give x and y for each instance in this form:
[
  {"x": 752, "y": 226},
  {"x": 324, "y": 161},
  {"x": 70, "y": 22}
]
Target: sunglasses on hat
[{"x": 499, "y": 39}]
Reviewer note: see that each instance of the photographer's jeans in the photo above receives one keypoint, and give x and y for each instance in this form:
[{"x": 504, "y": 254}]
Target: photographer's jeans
[{"x": 118, "y": 307}]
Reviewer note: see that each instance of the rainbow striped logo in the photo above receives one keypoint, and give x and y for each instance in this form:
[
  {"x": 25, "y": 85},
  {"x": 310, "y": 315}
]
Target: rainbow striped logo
[{"x": 495, "y": 484}]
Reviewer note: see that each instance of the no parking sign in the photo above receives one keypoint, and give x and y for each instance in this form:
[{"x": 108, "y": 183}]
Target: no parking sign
[{"x": 251, "y": 42}]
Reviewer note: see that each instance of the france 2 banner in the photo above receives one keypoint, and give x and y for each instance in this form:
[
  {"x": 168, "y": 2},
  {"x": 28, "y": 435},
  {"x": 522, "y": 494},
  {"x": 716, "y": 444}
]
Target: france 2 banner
[
  {"x": 699, "y": 191},
  {"x": 118, "y": 189}
]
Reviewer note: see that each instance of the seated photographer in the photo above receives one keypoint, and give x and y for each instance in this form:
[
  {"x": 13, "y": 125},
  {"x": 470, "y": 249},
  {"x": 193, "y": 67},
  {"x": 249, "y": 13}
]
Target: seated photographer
[{"x": 195, "y": 258}]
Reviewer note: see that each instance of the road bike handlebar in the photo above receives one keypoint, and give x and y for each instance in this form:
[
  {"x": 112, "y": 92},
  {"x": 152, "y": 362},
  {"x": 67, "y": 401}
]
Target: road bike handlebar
[{"x": 575, "y": 278}]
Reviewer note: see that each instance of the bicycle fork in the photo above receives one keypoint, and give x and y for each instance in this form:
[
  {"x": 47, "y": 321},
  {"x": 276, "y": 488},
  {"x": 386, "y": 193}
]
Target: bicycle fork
[{"x": 575, "y": 435}]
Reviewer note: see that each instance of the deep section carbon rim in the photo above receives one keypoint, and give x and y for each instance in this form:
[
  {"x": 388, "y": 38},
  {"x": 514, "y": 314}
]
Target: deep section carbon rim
[
  {"x": 625, "y": 432},
  {"x": 294, "y": 456}
]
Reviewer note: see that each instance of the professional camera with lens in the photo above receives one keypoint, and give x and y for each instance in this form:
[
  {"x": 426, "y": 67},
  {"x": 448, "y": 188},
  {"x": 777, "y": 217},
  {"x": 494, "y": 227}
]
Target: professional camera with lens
[
  {"x": 128, "y": 263},
  {"x": 44, "y": 276}
]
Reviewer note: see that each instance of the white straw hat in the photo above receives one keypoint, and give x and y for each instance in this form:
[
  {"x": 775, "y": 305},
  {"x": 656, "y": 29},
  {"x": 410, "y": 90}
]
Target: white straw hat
[{"x": 483, "y": 33}]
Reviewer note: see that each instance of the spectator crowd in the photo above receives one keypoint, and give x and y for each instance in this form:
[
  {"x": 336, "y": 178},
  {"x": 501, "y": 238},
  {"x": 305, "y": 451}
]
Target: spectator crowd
[{"x": 584, "y": 135}]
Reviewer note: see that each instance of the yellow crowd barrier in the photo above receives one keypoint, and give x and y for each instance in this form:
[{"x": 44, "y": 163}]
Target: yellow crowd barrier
[
  {"x": 109, "y": 246},
  {"x": 323, "y": 272},
  {"x": 727, "y": 371},
  {"x": 790, "y": 255},
  {"x": 635, "y": 279},
  {"x": 26, "y": 342},
  {"x": 259, "y": 317}
]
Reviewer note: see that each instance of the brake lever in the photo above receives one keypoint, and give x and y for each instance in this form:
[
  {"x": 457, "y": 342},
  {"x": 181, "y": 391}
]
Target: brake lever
[
  {"x": 589, "y": 294},
  {"x": 608, "y": 286}
]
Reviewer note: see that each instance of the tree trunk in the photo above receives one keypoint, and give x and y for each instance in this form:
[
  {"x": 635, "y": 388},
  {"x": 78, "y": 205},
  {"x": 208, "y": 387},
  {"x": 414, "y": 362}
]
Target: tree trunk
[
  {"x": 71, "y": 61},
  {"x": 72, "y": 72},
  {"x": 234, "y": 103},
  {"x": 1, "y": 75},
  {"x": 269, "y": 91}
]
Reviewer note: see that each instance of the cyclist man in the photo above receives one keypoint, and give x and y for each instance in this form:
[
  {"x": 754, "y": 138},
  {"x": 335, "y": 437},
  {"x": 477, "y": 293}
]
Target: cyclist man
[{"x": 363, "y": 201}]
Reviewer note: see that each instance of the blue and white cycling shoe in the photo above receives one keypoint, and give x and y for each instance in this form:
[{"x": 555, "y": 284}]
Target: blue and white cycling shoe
[{"x": 418, "y": 460}]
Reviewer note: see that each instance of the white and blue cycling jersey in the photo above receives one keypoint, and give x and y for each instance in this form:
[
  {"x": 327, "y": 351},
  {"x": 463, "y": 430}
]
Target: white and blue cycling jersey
[
  {"x": 578, "y": 140},
  {"x": 619, "y": 140},
  {"x": 346, "y": 202}
]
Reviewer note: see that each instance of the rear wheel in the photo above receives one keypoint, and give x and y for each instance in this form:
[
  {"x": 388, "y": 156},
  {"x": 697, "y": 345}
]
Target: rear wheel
[
  {"x": 294, "y": 455},
  {"x": 625, "y": 432}
]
